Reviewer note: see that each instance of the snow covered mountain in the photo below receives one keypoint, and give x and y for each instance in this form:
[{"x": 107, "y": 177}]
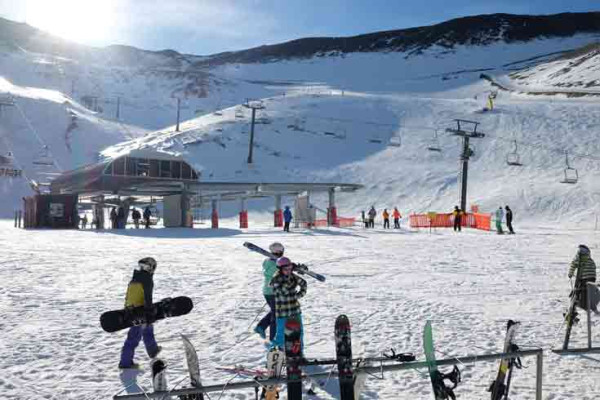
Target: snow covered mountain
[{"x": 365, "y": 113}]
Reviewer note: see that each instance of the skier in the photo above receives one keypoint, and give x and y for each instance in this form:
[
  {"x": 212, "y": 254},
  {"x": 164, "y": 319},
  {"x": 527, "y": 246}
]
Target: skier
[
  {"x": 364, "y": 219},
  {"x": 288, "y": 288},
  {"x": 499, "y": 216},
  {"x": 121, "y": 218},
  {"x": 113, "y": 218},
  {"x": 397, "y": 216},
  {"x": 386, "y": 219},
  {"x": 457, "y": 213},
  {"x": 136, "y": 216},
  {"x": 147, "y": 214},
  {"x": 269, "y": 268},
  {"x": 372, "y": 215},
  {"x": 287, "y": 218},
  {"x": 584, "y": 268},
  {"x": 84, "y": 221},
  {"x": 139, "y": 293},
  {"x": 509, "y": 217}
]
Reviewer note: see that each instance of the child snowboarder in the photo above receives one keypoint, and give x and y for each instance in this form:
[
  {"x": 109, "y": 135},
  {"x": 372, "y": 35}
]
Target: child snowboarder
[
  {"x": 139, "y": 293},
  {"x": 288, "y": 288},
  {"x": 269, "y": 268}
]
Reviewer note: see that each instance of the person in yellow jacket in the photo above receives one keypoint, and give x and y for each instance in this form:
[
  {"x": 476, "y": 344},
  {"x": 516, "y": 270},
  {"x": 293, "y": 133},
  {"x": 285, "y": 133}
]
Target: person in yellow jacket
[
  {"x": 386, "y": 219},
  {"x": 457, "y": 213},
  {"x": 139, "y": 293}
]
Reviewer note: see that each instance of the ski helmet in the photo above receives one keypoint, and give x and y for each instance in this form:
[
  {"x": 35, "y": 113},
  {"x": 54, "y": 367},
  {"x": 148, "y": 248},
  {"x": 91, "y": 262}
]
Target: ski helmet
[
  {"x": 283, "y": 262},
  {"x": 147, "y": 264},
  {"x": 276, "y": 248}
]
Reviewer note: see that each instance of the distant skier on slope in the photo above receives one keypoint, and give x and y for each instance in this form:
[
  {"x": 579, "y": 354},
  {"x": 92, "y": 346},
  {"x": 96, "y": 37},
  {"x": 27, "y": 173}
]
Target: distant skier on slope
[
  {"x": 269, "y": 268},
  {"x": 397, "y": 216},
  {"x": 372, "y": 214},
  {"x": 386, "y": 219},
  {"x": 584, "y": 268},
  {"x": 509, "y": 218},
  {"x": 287, "y": 218},
  {"x": 139, "y": 293},
  {"x": 457, "y": 214},
  {"x": 499, "y": 217},
  {"x": 288, "y": 288}
]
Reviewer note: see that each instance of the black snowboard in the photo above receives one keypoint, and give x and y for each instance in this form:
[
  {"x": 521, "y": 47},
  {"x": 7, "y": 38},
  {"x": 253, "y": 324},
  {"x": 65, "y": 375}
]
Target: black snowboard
[
  {"x": 343, "y": 352},
  {"x": 112, "y": 321},
  {"x": 293, "y": 355}
]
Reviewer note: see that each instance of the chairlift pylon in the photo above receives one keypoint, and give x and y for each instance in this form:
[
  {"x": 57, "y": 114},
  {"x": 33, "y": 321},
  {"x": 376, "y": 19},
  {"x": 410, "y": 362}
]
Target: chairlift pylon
[
  {"x": 571, "y": 175},
  {"x": 513, "y": 158}
]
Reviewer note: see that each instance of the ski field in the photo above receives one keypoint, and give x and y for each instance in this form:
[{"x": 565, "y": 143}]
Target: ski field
[
  {"x": 56, "y": 284},
  {"x": 364, "y": 118}
]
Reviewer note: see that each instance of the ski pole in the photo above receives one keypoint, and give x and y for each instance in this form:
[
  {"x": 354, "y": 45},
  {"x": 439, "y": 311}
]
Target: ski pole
[{"x": 257, "y": 314}]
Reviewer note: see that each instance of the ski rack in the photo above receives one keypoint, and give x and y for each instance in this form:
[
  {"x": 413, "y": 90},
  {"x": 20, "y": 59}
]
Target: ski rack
[
  {"x": 538, "y": 353},
  {"x": 589, "y": 348}
]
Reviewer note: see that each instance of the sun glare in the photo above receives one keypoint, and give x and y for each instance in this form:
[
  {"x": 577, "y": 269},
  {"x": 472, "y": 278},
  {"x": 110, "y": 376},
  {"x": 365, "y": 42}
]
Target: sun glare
[{"x": 82, "y": 21}]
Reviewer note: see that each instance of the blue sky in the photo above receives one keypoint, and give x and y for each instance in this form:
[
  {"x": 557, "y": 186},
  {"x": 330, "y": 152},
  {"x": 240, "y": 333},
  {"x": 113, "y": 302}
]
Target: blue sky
[{"x": 211, "y": 26}]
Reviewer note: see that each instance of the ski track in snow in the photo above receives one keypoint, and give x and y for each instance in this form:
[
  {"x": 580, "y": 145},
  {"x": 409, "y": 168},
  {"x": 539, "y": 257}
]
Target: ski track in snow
[{"x": 56, "y": 284}]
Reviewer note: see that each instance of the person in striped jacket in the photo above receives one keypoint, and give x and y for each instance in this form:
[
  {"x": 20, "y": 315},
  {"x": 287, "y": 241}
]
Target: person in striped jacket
[
  {"x": 288, "y": 288},
  {"x": 584, "y": 270}
]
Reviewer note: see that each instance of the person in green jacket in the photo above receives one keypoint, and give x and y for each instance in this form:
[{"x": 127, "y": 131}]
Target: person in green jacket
[
  {"x": 269, "y": 268},
  {"x": 584, "y": 270}
]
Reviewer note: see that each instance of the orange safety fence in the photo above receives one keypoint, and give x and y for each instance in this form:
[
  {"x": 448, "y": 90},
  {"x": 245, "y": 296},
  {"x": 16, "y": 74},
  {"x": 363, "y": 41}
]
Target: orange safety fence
[
  {"x": 342, "y": 222},
  {"x": 434, "y": 220}
]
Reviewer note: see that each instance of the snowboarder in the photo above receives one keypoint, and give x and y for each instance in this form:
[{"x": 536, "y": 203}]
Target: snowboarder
[
  {"x": 147, "y": 215},
  {"x": 584, "y": 268},
  {"x": 509, "y": 217},
  {"x": 288, "y": 288},
  {"x": 499, "y": 216},
  {"x": 113, "y": 218},
  {"x": 397, "y": 216},
  {"x": 386, "y": 219},
  {"x": 136, "y": 216},
  {"x": 457, "y": 213},
  {"x": 139, "y": 293},
  {"x": 287, "y": 218},
  {"x": 269, "y": 268},
  {"x": 372, "y": 215}
]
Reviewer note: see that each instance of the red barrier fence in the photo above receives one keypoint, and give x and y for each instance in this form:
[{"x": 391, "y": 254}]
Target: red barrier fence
[{"x": 435, "y": 220}]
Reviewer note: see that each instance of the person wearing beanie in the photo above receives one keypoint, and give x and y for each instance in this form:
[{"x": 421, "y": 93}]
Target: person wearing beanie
[
  {"x": 139, "y": 293},
  {"x": 288, "y": 288},
  {"x": 583, "y": 269},
  {"x": 269, "y": 268}
]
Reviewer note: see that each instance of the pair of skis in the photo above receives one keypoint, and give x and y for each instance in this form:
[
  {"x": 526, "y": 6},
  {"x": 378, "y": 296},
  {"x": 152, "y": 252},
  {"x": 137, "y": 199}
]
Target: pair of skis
[{"x": 299, "y": 268}]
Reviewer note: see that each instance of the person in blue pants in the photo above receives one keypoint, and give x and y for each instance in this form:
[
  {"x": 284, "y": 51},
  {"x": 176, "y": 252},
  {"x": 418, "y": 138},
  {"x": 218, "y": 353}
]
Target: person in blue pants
[
  {"x": 139, "y": 293},
  {"x": 288, "y": 288}
]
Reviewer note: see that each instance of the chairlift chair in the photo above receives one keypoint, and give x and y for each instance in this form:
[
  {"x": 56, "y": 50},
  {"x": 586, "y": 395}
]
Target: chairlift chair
[
  {"x": 395, "y": 141},
  {"x": 435, "y": 143},
  {"x": 571, "y": 175},
  {"x": 43, "y": 158},
  {"x": 513, "y": 158},
  {"x": 7, "y": 159}
]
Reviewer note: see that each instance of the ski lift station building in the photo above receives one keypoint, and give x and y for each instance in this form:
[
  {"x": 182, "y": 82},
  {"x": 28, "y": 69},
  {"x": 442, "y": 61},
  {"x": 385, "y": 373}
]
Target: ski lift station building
[{"x": 142, "y": 177}]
